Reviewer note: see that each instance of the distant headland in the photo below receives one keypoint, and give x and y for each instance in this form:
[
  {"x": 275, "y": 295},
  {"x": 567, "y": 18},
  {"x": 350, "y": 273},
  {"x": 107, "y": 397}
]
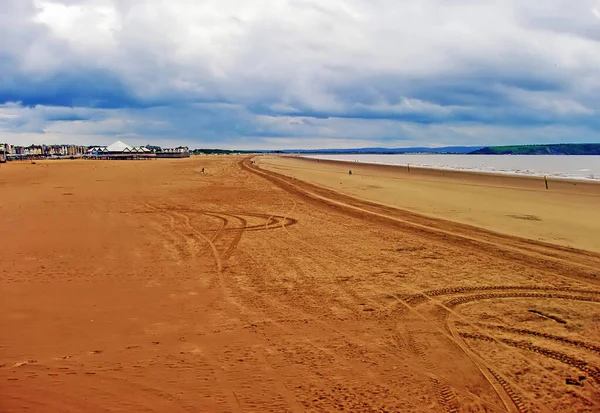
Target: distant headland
[{"x": 556, "y": 149}]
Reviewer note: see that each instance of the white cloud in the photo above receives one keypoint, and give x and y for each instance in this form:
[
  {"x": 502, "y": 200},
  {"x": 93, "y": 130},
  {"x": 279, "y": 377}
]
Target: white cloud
[{"x": 89, "y": 27}]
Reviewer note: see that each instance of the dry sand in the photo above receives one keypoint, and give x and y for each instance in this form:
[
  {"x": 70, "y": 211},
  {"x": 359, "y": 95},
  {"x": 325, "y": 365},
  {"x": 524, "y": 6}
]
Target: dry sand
[
  {"x": 148, "y": 286},
  {"x": 568, "y": 213}
]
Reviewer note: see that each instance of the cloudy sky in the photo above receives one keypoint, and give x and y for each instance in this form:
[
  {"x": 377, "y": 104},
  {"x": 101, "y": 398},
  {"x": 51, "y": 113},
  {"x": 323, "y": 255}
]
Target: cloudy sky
[{"x": 300, "y": 73}]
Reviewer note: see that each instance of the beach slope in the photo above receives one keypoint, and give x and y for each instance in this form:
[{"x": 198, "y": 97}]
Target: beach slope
[{"x": 567, "y": 214}]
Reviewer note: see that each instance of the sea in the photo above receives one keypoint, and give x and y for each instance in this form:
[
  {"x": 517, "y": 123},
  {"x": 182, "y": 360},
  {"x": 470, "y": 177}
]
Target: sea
[{"x": 578, "y": 167}]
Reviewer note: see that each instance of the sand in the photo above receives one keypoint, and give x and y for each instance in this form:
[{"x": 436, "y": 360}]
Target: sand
[
  {"x": 568, "y": 213},
  {"x": 149, "y": 286}
]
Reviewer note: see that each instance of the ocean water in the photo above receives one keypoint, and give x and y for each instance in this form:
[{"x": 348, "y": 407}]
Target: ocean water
[{"x": 556, "y": 166}]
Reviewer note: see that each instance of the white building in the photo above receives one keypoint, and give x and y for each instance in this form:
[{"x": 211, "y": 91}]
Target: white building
[{"x": 120, "y": 150}]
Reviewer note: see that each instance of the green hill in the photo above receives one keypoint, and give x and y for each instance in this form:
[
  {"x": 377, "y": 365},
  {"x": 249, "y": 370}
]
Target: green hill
[
  {"x": 217, "y": 152},
  {"x": 557, "y": 149}
]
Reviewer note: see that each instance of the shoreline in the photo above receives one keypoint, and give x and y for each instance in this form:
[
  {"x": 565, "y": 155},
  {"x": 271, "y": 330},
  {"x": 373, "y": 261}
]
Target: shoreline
[
  {"x": 538, "y": 175},
  {"x": 565, "y": 214},
  {"x": 485, "y": 178}
]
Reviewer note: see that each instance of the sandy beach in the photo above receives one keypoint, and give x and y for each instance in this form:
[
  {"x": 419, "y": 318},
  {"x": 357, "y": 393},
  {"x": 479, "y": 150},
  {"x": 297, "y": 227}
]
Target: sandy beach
[
  {"x": 568, "y": 213},
  {"x": 290, "y": 286}
]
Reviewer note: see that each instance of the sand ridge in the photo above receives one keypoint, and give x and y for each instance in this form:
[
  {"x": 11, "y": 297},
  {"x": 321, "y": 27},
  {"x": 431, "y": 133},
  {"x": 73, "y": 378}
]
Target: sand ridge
[{"x": 150, "y": 286}]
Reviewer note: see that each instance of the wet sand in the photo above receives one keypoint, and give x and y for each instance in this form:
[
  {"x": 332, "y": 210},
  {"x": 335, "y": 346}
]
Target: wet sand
[
  {"x": 148, "y": 286},
  {"x": 568, "y": 213}
]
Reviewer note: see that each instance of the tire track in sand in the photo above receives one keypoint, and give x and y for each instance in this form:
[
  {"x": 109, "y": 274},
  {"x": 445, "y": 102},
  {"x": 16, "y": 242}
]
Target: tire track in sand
[
  {"x": 447, "y": 397},
  {"x": 421, "y": 297},
  {"x": 563, "y": 340},
  {"x": 443, "y": 385},
  {"x": 501, "y": 341},
  {"x": 329, "y": 201},
  {"x": 467, "y": 299},
  {"x": 582, "y": 365},
  {"x": 568, "y": 262},
  {"x": 215, "y": 253}
]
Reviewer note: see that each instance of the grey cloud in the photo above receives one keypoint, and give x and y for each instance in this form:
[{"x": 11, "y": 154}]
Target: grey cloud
[{"x": 335, "y": 66}]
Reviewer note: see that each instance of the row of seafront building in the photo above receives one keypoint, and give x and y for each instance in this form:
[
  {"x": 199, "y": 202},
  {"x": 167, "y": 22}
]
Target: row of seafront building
[
  {"x": 44, "y": 150},
  {"x": 117, "y": 150}
]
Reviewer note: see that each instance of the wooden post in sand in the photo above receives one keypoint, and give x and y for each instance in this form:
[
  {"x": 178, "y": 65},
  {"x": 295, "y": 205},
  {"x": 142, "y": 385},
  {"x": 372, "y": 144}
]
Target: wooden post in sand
[{"x": 546, "y": 181}]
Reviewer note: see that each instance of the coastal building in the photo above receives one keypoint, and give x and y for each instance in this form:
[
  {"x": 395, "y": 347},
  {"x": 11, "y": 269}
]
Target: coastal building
[
  {"x": 178, "y": 152},
  {"x": 116, "y": 150},
  {"x": 43, "y": 151},
  {"x": 119, "y": 150},
  {"x": 179, "y": 149}
]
